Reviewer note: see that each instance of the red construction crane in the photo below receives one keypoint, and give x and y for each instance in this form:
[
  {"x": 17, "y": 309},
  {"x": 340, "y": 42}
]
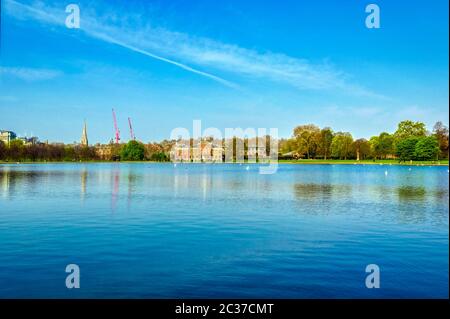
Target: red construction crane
[
  {"x": 131, "y": 129},
  {"x": 115, "y": 127}
]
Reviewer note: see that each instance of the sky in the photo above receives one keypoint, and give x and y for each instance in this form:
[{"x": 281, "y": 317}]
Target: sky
[{"x": 231, "y": 63}]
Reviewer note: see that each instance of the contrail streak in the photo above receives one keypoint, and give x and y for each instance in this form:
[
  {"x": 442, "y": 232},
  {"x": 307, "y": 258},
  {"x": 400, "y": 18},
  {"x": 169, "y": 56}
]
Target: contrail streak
[{"x": 43, "y": 16}]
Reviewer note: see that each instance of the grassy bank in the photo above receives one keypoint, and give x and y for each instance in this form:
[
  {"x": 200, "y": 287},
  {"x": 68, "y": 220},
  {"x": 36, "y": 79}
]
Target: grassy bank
[
  {"x": 368, "y": 162},
  {"x": 301, "y": 161}
]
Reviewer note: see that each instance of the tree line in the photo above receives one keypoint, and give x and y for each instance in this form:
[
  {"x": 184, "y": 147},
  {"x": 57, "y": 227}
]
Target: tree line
[
  {"x": 40, "y": 152},
  {"x": 18, "y": 151},
  {"x": 411, "y": 141}
]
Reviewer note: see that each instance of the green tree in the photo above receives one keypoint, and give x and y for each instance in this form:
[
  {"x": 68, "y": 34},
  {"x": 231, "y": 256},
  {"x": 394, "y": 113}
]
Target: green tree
[
  {"x": 307, "y": 137},
  {"x": 159, "y": 157},
  {"x": 286, "y": 145},
  {"x": 361, "y": 148},
  {"x": 406, "y": 148},
  {"x": 385, "y": 145},
  {"x": 16, "y": 150},
  {"x": 408, "y": 128},
  {"x": 69, "y": 153},
  {"x": 132, "y": 151},
  {"x": 373, "y": 142},
  {"x": 85, "y": 153},
  {"x": 427, "y": 148},
  {"x": 341, "y": 145},
  {"x": 325, "y": 140},
  {"x": 440, "y": 131}
]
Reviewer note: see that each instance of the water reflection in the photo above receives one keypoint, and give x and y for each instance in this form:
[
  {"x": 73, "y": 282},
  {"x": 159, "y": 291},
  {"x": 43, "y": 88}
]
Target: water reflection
[
  {"x": 132, "y": 179},
  {"x": 408, "y": 193},
  {"x": 197, "y": 221},
  {"x": 326, "y": 190},
  {"x": 320, "y": 191},
  {"x": 84, "y": 174},
  {"x": 115, "y": 188},
  {"x": 13, "y": 181}
]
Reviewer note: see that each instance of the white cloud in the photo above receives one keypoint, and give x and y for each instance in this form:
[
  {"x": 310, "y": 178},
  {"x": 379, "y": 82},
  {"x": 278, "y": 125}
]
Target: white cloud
[
  {"x": 29, "y": 74},
  {"x": 181, "y": 49}
]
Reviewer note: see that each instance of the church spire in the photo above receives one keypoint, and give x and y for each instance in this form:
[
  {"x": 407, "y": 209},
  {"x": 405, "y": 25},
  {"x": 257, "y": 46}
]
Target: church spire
[{"x": 84, "y": 138}]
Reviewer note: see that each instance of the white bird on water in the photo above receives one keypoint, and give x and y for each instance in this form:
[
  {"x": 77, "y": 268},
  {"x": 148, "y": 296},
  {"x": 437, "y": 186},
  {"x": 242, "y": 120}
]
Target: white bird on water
[
  {"x": 247, "y": 168},
  {"x": 386, "y": 173}
]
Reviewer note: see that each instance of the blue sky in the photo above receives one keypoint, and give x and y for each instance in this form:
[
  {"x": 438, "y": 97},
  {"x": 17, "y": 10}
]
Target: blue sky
[{"x": 229, "y": 63}]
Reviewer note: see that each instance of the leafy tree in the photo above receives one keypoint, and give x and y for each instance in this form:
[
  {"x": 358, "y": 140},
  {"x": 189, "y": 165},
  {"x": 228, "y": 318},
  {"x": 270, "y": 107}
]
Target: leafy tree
[
  {"x": 286, "y": 145},
  {"x": 427, "y": 148},
  {"x": 307, "y": 137},
  {"x": 382, "y": 145},
  {"x": 373, "y": 142},
  {"x": 385, "y": 144},
  {"x": 159, "y": 157},
  {"x": 115, "y": 151},
  {"x": 55, "y": 152},
  {"x": 85, "y": 153},
  {"x": 406, "y": 148},
  {"x": 16, "y": 150},
  {"x": 341, "y": 145},
  {"x": 132, "y": 151},
  {"x": 408, "y": 128},
  {"x": 69, "y": 154},
  {"x": 361, "y": 148},
  {"x": 440, "y": 131},
  {"x": 2, "y": 150},
  {"x": 325, "y": 140}
]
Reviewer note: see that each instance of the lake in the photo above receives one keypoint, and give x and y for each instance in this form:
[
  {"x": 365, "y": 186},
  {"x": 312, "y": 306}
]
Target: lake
[{"x": 147, "y": 230}]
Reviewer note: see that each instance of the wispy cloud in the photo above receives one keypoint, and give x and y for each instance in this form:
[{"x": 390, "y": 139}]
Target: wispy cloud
[
  {"x": 186, "y": 51},
  {"x": 8, "y": 98},
  {"x": 29, "y": 74}
]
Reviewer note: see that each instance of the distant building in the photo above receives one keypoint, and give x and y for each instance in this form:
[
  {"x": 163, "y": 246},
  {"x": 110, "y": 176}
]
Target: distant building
[
  {"x": 29, "y": 140},
  {"x": 7, "y": 136},
  {"x": 84, "y": 138},
  {"x": 181, "y": 152},
  {"x": 197, "y": 152},
  {"x": 201, "y": 151},
  {"x": 104, "y": 152},
  {"x": 217, "y": 151},
  {"x": 256, "y": 149}
]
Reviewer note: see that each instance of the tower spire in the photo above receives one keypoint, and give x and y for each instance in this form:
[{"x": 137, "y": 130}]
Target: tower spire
[{"x": 84, "y": 138}]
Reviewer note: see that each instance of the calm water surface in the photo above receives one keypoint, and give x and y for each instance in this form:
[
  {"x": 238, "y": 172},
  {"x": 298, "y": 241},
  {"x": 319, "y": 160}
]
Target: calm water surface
[{"x": 204, "y": 230}]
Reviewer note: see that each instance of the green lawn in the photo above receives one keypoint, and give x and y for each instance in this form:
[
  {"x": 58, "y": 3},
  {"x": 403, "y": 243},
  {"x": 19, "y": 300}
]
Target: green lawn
[{"x": 372, "y": 162}]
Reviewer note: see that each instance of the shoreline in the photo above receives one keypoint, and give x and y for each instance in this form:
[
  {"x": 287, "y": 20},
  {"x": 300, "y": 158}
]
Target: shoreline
[{"x": 292, "y": 162}]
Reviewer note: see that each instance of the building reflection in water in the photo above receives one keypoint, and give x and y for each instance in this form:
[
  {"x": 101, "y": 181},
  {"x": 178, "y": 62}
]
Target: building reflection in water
[
  {"x": 4, "y": 181},
  {"x": 206, "y": 181},
  {"x": 12, "y": 182},
  {"x": 84, "y": 175},
  {"x": 180, "y": 180},
  {"x": 115, "y": 188}
]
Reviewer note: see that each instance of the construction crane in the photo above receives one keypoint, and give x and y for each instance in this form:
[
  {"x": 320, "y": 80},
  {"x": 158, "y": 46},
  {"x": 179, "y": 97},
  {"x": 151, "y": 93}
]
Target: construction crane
[
  {"x": 115, "y": 127},
  {"x": 131, "y": 130}
]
